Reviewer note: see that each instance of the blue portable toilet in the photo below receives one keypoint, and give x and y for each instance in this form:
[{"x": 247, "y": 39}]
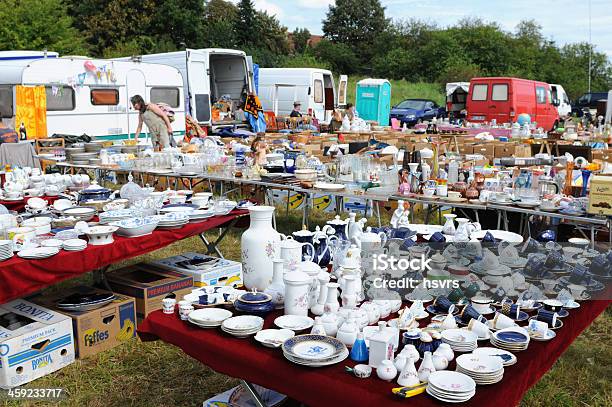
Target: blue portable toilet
[{"x": 373, "y": 100}]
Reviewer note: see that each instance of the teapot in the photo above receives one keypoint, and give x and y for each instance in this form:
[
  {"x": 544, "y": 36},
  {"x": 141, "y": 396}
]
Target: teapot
[
  {"x": 337, "y": 227},
  {"x": 371, "y": 242},
  {"x": 321, "y": 242}
]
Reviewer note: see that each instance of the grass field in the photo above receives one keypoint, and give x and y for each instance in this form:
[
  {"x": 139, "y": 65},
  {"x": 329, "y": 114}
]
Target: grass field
[
  {"x": 402, "y": 89},
  {"x": 157, "y": 374}
]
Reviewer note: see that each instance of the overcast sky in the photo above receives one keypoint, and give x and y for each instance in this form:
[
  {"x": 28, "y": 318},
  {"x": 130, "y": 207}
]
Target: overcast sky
[{"x": 564, "y": 21}]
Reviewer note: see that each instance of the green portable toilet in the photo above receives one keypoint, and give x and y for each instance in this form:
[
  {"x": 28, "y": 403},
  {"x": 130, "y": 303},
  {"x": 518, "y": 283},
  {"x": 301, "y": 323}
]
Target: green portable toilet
[{"x": 373, "y": 100}]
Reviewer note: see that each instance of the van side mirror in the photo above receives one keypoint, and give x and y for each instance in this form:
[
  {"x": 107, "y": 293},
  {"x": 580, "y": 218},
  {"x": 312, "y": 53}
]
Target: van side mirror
[{"x": 556, "y": 102}]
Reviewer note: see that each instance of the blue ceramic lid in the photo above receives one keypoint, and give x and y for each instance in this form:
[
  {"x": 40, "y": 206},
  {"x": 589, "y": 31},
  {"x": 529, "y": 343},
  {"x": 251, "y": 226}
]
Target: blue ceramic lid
[{"x": 255, "y": 297}]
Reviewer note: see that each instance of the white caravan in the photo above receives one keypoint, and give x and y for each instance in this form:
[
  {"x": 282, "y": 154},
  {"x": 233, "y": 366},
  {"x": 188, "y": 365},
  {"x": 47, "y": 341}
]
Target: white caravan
[
  {"x": 561, "y": 100},
  {"x": 208, "y": 74},
  {"x": 314, "y": 88},
  {"x": 92, "y": 101}
]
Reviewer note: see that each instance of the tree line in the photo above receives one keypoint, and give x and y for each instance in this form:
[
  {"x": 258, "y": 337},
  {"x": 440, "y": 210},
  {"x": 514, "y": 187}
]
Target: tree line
[{"x": 359, "y": 38}]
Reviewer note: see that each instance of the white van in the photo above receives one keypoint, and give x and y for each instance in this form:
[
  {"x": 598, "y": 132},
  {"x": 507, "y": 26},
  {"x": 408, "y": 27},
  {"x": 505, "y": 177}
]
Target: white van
[
  {"x": 95, "y": 102},
  {"x": 561, "y": 100},
  {"x": 208, "y": 74},
  {"x": 314, "y": 88}
]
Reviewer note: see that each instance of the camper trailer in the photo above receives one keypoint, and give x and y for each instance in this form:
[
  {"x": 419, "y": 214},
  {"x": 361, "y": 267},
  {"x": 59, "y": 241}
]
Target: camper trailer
[
  {"x": 456, "y": 97},
  {"x": 82, "y": 95},
  {"x": 314, "y": 88},
  {"x": 209, "y": 76}
]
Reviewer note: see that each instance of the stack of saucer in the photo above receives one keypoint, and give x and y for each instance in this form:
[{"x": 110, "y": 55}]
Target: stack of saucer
[
  {"x": 200, "y": 215},
  {"x": 74, "y": 245},
  {"x": 209, "y": 317},
  {"x": 6, "y": 249},
  {"x": 514, "y": 339},
  {"x": 242, "y": 326},
  {"x": 173, "y": 220},
  {"x": 507, "y": 358},
  {"x": 116, "y": 215},
  {"x": 314, "y": 350},
  {"x": 38, "y": 253},
  {"x": 450, "y": 387},
  {"x": 460, "y": 340},
  {"x": 483, "y": 369}
]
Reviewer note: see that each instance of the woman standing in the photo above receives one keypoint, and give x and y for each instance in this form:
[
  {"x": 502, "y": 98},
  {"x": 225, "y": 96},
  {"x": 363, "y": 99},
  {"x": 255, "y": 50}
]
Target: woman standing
[{"x": 157, "y": 122}]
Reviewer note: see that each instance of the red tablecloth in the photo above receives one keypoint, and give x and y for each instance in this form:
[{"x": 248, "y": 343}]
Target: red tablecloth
[
  {"x": 331, "y": 386},
  {"x": 19, "y": 205},
  {"x": 19, "y": 277}
]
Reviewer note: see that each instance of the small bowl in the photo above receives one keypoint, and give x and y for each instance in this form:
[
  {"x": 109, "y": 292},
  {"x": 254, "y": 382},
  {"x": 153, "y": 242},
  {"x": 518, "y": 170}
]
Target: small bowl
[{"x": 362, "y": 371}]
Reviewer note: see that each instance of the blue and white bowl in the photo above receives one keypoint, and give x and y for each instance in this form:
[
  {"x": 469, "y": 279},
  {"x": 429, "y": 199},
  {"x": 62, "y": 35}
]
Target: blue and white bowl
[{"x": 135, "y": 226}]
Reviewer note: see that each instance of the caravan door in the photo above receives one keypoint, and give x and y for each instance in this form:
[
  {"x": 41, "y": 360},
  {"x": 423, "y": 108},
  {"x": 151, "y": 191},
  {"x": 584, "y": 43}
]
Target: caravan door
[
  {"x": 135, "y": 85},
  {"x": 342, "y": 88},
  {"x": 317, "y": 96},
  {"x": 197, "y": 95}
]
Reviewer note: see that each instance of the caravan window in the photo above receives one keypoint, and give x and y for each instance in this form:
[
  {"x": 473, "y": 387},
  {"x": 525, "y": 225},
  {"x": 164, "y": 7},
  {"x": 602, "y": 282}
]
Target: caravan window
[
  {"x": 169, "y": 96},
  {"x": 62, "y": 100},
  {"x": 108, "y": 97},
  {"x": 318, "y": 91},
  {"x": 6, "y": 101}
]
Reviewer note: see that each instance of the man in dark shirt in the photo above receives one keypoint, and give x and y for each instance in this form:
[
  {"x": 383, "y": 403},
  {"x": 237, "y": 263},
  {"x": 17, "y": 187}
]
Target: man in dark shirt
[{"x": 296, "y": 110}]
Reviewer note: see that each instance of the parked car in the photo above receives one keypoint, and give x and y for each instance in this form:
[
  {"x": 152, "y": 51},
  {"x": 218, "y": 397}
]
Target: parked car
[
  {"x": 413, "y": 111},
  {"x": 588, "y": 101},
  {"x": 504, "y": 99}
]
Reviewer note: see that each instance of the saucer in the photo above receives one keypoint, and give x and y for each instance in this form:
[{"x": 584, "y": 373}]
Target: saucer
[
  {"x": 563, "y": 313},
  {"x": 550, "y": 334}
]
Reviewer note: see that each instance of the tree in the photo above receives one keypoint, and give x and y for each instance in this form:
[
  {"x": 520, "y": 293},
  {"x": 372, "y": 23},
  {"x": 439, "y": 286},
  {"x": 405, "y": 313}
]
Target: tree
[
  {"x": 398, "y": 63},
  {"x": 300, "y": 38},
  {"x": 38, "y": 25},
  {"x": 220, "y": 21},
  {"x": 305, "y": 61},
  {"x": 179, "y": 22},
  {"x": 340, "y": 56},
  {"x": 247, "y": 24},
  {"x": 356, "y": 23}
]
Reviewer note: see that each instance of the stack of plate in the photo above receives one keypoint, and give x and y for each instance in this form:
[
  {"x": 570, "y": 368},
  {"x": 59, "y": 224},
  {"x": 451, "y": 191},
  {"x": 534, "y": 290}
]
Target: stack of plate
[
  {"x": 116, "y": 215},
  {"x": 460, "y": 340},
  {"x": 172, "y": 220},
  {"x": 200, "y": 215},
  {"x": 507, "y": 358},
  {"x": 6, "y": 249},
  {"x": 74, "y": 245},
  {"x": 38, "y": 253},
  {"x": 209, "y": 317},
  {"x": 242, "y": 326},
  {"x": 483, "y": 369},
  {"x": 294, "y": 322},
  {"x": 87, "y": 301},
  {"x": 450, "y": 387},
  {"x": 84, "y": 213},
  {"x": 314, "y": 350},
  {"x": 514, "y": 339}
]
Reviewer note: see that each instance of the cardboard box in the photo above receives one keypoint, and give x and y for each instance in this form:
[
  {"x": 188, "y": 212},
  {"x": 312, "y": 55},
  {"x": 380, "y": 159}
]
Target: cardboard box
[
  {"x": 487, "y": 150},
  {"x": 205, "y": 270},
  {"x": 100, "y": 329},
  {"x": 522, "y": 150},
  {"x": 466, "y": 149},
  {"x": 34, "y": 341},
  {"x": 148, "y": 285},
  {"x": 504, "y": 150},
  {"x": 600, "y": 195}
]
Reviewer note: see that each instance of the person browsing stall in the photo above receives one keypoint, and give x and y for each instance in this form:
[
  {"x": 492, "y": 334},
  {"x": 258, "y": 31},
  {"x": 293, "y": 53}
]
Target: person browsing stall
[
  {"x": 296, "y": 110},
  {"x": 157, "y": 122}
]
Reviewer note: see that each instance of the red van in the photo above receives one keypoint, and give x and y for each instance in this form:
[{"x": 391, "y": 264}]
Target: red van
[{"x": 504, "y": 99}]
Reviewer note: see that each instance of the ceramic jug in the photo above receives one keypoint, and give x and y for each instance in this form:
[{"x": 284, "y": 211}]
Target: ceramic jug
[
  {"x": 291, "y": 251},
  {"x": 277, "y": 288},
  {"x": 322, "y": 243},
  {"x": 297, "y": 289},
  {"x": 337, "y": 227},
  {"x": 427, "y": 367},
  {"x": 313, "y": 270},
  {"x": 372, "y": 242},
  {"x": 449, "y": 225},
  {"x": 319, "y": 307},
  {"x": 259, "y": 245},
  {"x": 306, "y": 236},
  {"x": 408, "y": 376}
]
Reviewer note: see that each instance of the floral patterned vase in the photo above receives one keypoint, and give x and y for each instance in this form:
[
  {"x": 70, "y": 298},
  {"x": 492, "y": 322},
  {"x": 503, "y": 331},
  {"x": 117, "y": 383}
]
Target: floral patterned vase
[{"x": 259, "y": 245}]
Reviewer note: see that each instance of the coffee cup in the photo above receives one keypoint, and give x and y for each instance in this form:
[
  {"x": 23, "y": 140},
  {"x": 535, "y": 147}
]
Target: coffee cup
[
  {"x": 185, "y": 310},
  {"x": 443, "y": 304},
  {"x": 540, "y": 328},
  {"x": 168, "y": 305},
  {"x": 549, "y": 284},
  {"x": 481, "y": 304},
  {"x": 479, "y": 328},
  {"x": 577, "y": 290},
  {"x": 501, "y": 321},
  {"x": 177, "y": 199},
  {"x": 499, "y": 294},
  {"x": 468, "y": 313},
  {"x": 454, "y": 194},
  {"x": 512, "y": 310},
  {"x": 578, "y": 274},
  {"x": 552, "y": 305},
  {"x": 549, "y": 317}
]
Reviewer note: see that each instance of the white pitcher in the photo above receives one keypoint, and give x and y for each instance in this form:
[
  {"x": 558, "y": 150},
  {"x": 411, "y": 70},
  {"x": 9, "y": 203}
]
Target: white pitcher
[{"x": 259, "y": 246}]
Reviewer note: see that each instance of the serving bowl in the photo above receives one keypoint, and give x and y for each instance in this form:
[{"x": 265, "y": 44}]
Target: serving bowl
[
  {"x": 101, "y": 235},
  {"x": 135, "y": 227}
]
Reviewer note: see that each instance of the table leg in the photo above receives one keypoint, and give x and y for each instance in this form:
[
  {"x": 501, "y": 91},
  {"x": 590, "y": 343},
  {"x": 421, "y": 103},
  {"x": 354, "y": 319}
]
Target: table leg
[
  {"x": 99, "y": 276},
  {"x": 257, "y": 400},
  {"x": 213, "y": 246}
]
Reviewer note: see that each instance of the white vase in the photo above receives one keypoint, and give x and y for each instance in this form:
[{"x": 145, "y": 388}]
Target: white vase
[
  {"x": 408, "y": 376},
  {"x": 331, "y": 302},
  {"x": 462, "y": 234},
  {"x": 297, "y": 288},
  {"x": 449, "y": 225},
  {"x": 259, "y": 245},
  {"x": 427, "y": 367},
  {"x": 319, "y": 307},
  {"x": 350, "y": 292},
  {"x": 277, "y": 288}
]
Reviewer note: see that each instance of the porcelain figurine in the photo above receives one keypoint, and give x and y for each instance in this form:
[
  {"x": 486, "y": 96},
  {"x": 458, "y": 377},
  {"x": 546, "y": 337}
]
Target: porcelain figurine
[
  {"x": 427, "y": 367},
  {"x": 277, "y": 288},
  {"x": 401, "y": 216},
  {"x": 359, "y": 351},
  {"x": 439, "y": 362},
  {"x": 318, "y": 328},
  {"x": 319, "y": 307},
  {"x": 386, "y": 370},
  {"x": 409, "y": 376},
  {"x": 347, "y": 333},
  {"x": 349, "y": 294},
  {"x": 403, "y": 181},
  {"x": 330, "y": 323},
  {"x": 259, "y": 246}
]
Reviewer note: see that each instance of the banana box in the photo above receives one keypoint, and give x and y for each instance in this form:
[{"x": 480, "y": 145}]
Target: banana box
[
  {"x": 99, "y": 329},
  {"x": 205, "y": 270},
  {"x": 34, "y": 341}
]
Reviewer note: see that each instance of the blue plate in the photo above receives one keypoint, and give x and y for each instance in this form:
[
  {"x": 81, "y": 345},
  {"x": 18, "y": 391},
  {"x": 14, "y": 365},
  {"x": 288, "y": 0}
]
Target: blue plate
[
  {"x": 563, "y": 313},
  {"x": 511, "y": 337}
]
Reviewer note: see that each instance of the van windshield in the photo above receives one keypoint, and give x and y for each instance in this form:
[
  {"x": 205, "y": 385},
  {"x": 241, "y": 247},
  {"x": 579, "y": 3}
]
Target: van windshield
[{"x": 412, "y": 104}]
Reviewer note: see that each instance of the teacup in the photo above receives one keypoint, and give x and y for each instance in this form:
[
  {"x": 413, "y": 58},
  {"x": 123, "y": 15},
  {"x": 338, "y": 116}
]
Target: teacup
[
  {"x": 479, "y": 328},
  {"x": 429, "y": 192},
  {"x": 13, "y": 194},
  {"x": 577, "y": 290},
  {"x": 512, "y": 310},
  {"x": 501, "y": 321},
  {"x": 443, "y": 304},
  {"x": 579, "y": 274},
  {"x": 468, "y": 313},
  {"x": 549, "y": 284},
  {"x": 535, "y": 266},
  {"x": 177, "y": 199},
  {"x": 539, "y": 327},
  {"x": 549, "y": 317},
  {"x": 454, "y": 194},
  {"x": 552, "y": 305},
  {"x": 499, "y": 294},
  {"x": 481, "y": 304},
  {"x": 471, "y": 290},
  {"x": 168, "y": 305}
]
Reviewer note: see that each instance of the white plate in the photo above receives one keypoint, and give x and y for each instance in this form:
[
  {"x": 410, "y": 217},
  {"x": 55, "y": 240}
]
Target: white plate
[
  {"x": 208, "y": 316},
  {"x": 459, "y": 336},
  {"x": 243, "y": 323},
  {"x": 326, "y": 186},
  {"x": 38, "y": 253},
  {"x": 452, "y": 382},
  {"x": 294, "y": 322},
  {"x": 482, "y": 365},
  {"x": 51, "y": 243},
  {"x": 273, "y": 338}
]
